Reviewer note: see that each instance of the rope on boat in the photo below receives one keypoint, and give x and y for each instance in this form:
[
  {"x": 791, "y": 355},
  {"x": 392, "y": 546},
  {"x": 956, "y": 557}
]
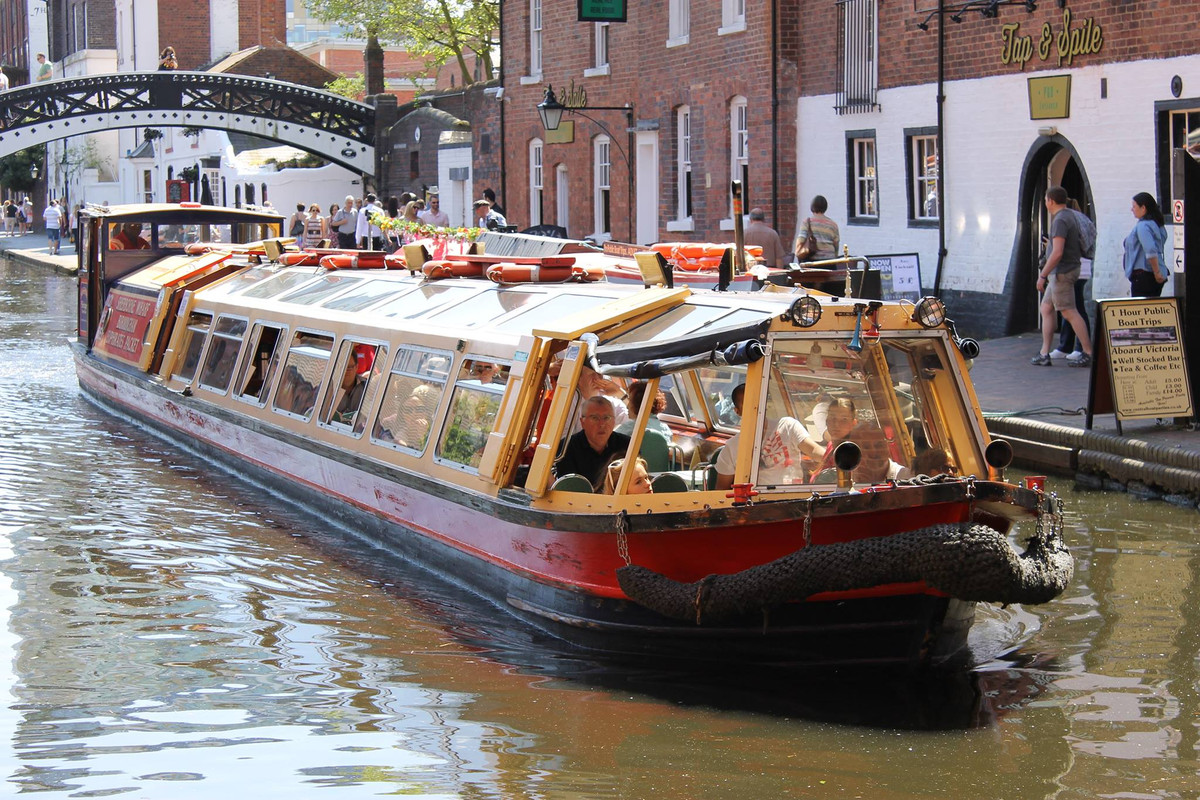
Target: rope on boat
[{"x": 968, "y": 562}]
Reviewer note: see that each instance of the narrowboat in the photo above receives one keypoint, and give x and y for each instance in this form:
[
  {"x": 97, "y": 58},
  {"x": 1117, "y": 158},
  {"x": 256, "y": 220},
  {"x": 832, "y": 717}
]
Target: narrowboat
[{"x": 806, "y": 480}]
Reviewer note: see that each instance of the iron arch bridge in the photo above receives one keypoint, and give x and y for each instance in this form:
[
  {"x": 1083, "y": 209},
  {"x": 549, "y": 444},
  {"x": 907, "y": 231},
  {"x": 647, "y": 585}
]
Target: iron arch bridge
[{"x": 330, "y": 126}]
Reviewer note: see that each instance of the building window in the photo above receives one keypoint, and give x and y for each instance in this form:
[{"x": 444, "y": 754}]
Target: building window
[
  {"x": 1178, "y": 126},
  {"x": 922, "y": 167},
  {"x": 147, "y": 186},
  {"x": 602, "y": 199},
  {"x": 679, "y": 22},
  {"x": 733, "y": 16},
  {"x": 535, "y": 37},
  {"x": 739, "y": 148},
  {"x": 562, "y": 197},
  {"x": 601, "y": 47},
  {"x": 858, "y": 73},
  {"x": 863, "y": 183},
  {"x": 683, "y": 121},
  {"x": 535, "y": 182}
]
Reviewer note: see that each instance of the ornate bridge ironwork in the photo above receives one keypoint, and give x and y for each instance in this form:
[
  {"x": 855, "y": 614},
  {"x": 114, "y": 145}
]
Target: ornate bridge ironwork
[{"x": 337, "y": 129}]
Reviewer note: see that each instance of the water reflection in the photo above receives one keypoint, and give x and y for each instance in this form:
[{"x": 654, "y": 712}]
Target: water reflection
[{"x": 174, "y": 633}]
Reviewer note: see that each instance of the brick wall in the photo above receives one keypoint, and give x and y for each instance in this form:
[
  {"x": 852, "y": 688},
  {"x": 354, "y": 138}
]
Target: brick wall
[
  {"x": 705, "y": 74},
  {"x": 184, "y": 25}
]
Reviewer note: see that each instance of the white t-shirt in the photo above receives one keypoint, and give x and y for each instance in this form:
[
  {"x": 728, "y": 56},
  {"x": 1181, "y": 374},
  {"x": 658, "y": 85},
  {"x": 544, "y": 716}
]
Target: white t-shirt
[
  {"x": 53, "y": 217},
  {"x": 782, "y": 446}
]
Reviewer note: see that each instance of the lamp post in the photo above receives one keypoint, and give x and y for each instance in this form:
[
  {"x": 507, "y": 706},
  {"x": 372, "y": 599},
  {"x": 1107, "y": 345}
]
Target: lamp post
[
  {"x": 34, "y": 172},
  {"x": 551, "y": 111}
]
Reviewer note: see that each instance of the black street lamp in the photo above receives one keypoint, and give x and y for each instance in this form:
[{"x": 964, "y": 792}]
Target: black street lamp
[
  {"x": 34, "y": 172},
  {"x": 551, "y": 111}
]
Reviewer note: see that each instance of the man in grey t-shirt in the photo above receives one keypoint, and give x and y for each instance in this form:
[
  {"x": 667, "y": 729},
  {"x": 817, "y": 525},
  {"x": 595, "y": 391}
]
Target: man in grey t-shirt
[{"x": 1056, "y": 279}]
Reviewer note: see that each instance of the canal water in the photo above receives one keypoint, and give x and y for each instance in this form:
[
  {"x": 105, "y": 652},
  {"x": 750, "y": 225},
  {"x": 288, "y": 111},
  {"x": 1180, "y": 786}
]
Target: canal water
[{"x": 168, "y": 632}]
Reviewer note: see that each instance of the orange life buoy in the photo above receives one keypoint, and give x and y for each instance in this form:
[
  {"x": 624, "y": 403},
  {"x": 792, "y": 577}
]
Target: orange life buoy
[
  {"x": 448, "y": 268},
  {"x": 528, "y": 273},
  {"x": 299, "y": 259},
  {"x": 586, "y": 274},
  {"x": 196, "y": 248},
  {"x": 665, "y": 249},
  {"x": 364, "y": 260},
  {"x": 690, "y": 250}
]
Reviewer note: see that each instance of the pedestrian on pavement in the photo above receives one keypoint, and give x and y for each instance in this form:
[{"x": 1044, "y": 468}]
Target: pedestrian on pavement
[
  {"x": 760, "y": 234},
  {"x": 44, "y": 72},
  {"x": 490, "y": 196},
  {"x": 1068, "y": 346},
  {"x": 1056, "y": 278},
  {"x": 343, "y": 222},
  {"x": 4, "y": 85},
  {"x": 824, "y": 232},
  {"x": 434, "y": 214},
  {"x": 368, "y": 234},
  {"x": 314, "y": 227},
  {"x": 54, "y": 219},
  {"x": 1145, "y": 266},
  {"x": 295, "y": 225},
  {"x": 27, "y": 212},
  {"x": 487, "y": 217},
  {"x": 10, "y": 218},
  {"x": 73, "y": 223}
]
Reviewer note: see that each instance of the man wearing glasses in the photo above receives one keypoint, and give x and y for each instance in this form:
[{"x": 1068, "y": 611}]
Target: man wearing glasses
[
  {"x": 434, "y": 214},
  {"x": 589, "y": 451}
]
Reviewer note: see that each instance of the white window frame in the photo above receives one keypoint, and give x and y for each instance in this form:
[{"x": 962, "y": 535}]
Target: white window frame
[
  {"x": 562, "y": 198},
  {"x": 733, "y": 17},
  {"x": 600, "y": 51},
  {"x": 602, "y": 187},
  {"x": 683, "y": 170},
  {"x": 859, "y": 78},
  {"x": 535, "y": 44},
  {"x": 923, "y": 176},
  {"x": 739, "y": 152},
  {"x": 679, "y": 22},
  {"x": 864, "y": 172},
  {"x": 536, "y": 153}
]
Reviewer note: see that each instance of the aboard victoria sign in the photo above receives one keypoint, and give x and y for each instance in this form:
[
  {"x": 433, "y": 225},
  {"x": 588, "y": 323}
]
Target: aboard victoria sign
[{"x": 1085, "y": 38}]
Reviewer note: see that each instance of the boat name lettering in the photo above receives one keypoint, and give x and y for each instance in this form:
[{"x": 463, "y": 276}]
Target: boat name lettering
[
  {"x": 132, "y": 305},
  {"x": 1084, "y": 39}
]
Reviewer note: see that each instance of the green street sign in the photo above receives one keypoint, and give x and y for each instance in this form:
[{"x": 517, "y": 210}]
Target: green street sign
[{"x": 602, "y": 10}]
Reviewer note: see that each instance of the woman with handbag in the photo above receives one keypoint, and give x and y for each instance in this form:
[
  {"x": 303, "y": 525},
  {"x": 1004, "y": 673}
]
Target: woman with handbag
[
  {"x": 818, "y": 237},
  {"x": 1145, "y": 266}
]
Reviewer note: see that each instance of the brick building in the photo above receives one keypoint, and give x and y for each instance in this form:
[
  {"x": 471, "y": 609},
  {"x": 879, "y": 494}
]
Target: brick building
[
  {"x": 1089, "y": 94},
  {"x": 713, "y": 97}
]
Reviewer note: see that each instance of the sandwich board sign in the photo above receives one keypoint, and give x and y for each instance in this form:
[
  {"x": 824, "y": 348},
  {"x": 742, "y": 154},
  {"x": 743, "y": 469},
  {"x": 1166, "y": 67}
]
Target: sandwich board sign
[
  {"x": 1140, "y": 369},
  {"x": 899, "y": 276}
]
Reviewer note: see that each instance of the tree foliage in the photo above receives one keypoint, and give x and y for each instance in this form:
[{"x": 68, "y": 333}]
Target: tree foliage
[
  {"x": 437, "y": 31},
  {"x": 15, "y": 169},
  {"x": 353, "y": 87}
]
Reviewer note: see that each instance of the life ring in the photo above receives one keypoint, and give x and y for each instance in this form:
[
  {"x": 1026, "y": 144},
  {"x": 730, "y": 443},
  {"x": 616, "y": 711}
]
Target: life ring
[
  {"x": 197, "y": 248},
  {"x": 448, "y": 268},
  {"x": 395, "y": 261},
  {"x": 691, "y": 250},
  {"x": 529, "y": 273},
  {"x": 585, "y": 274},
  {"x": 364, "y": 260},
  {"x": 301, "y": 259}
]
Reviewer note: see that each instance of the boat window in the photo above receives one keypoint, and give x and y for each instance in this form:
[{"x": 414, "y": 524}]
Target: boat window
[
  {"x": 323, "y": 287},
  {"x": 823, "y": 389},
  {"x": 175, "y": 237},
  {"x": 258, "y": 371},
  {"x": 677, "y": 322},
  {"x": 303, "y": 373},
  {"x": 718, "y": 385},
  {"x": 222, "y": 353},
  {"x": 425, "y": 298},
  {"x": 239, "y": 281},
  {"x": 360, "y": 365},
  {"x": 472, "y": 415},
  {"x": 553, "y": 308},
  {"x": 411, "y": 397},
  {"x": 193, "y": 344},
  {"x": 366, "y": 295},
  {"x": 481, "y": 308},
  {"x": 277, "y": 285}
]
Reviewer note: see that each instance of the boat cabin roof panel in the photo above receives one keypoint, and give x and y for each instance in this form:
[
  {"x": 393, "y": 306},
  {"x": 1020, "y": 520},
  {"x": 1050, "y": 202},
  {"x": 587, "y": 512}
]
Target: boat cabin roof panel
[{"x": 177, "y": 214}]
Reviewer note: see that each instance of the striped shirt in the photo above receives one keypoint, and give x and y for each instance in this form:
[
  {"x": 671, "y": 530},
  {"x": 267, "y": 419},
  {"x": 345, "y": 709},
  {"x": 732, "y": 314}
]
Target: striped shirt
[{"x": 825, "y": 231}]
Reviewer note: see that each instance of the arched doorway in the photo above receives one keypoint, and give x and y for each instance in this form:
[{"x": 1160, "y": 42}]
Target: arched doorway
[{"x": 1051, "y": 161}]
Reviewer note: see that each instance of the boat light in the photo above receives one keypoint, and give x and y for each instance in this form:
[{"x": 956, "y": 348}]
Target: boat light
[
  {"x": 930, "y": 312},
  {"x": 805, "y": 312}
]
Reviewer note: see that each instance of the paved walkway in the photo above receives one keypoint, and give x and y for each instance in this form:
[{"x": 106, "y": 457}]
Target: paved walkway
[{"x": 1039, "y": 409}]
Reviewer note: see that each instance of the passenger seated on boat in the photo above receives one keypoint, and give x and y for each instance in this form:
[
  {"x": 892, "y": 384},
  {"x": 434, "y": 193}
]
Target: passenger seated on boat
[
  {"x": 639, "y": 483},
  {"x": 779, "y": 460},
  {"x": 354, "y": 383},
  {"x": 935, "y": 461},
  {"x": 841, "y": 417},
  {"x": 130, "y": 238},
  {"x": 589, "y": 451},
  {"x": 876, "y": 465},
  {"x": 410, "y": 425},
  {"x": 637, "y": 391},
  {"x": 481, "y": 371}
]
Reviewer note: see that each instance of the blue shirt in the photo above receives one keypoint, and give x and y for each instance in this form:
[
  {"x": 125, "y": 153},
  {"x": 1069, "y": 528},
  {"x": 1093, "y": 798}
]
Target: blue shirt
[{"x": 1145, "y": 240}]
